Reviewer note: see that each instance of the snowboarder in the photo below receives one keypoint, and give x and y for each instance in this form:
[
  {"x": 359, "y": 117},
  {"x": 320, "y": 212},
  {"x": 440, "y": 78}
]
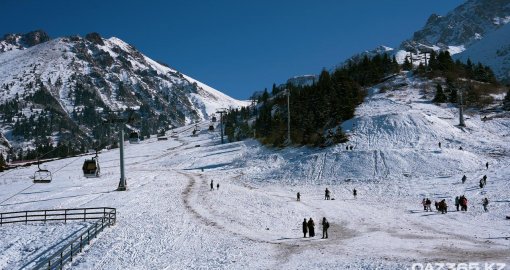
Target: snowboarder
[
  {"x": 355, "y": 193},
  {"x": 439, "y": 144},
  {"x": 487, "y": 165},
  {"x": 217, "y": 186},
  {"x": 212, "y": 185},
  {"x": 305, "y": 228},
  {"x": 298, "y": 196},
  {"x": 326, "y": 194},
  {"x": 311, "y": 228},
  {"x": 457, "y": 202},
  {"x": 464, "y": 178},
  {"x": 325, "y": 226},
  {"x": 485, "y": 203}
]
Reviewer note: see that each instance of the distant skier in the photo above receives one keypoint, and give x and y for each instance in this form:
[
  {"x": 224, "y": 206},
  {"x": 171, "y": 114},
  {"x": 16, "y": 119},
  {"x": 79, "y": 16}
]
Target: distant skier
[
  {"x": 217, "y": 186},
  {"x": 464, "y": 178},
  {"x": 436, "y": 204},
  {"x": 298, "y": 196},
  {"x": 457, "y": 202},
  {"x": 325, "y": 226},
  {"x": 311, "y": 227},
  {"x": 485, "y": 203},
  {"x": 327, "y": 194},
  {"x": 355, "y": 193},
  {"x": 351, "y": 147},
  {"x": 347, "y": 147},
  {"x": 484, "y": 178},
  {"x": 460, "y": 148},
  {"x": 487, "y": 165},
  {"x": 305, "y": 228},
  {"x": 481, "y": 183},
  {"x": 212, "y": 185},
  {"x": 424, "y": 203},
  {"x": 439, "y": 144}
]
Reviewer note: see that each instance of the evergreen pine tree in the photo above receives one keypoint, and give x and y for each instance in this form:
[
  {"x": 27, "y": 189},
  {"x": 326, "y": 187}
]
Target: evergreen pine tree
[
  {"x": 2, "y": 162},
  {"x": 407, "y": 65},
  {"x": 506, "y": 102},
  {"x": 440, "y": 97}
]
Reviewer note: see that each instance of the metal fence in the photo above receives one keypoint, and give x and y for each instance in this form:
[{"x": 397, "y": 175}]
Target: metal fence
[{"x": 104, "y": 216}]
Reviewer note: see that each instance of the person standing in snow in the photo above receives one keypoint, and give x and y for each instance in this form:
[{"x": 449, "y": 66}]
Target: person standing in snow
[
  {"x": 487, "y": 165},
  {"x": 485, "y": 203},
  {"x": 463, "y": 203},
  {"x": 325, "y": 226},
  {"x": 355, "y": 193},
  {"x": 439, "y": 144},
  {"x": 429, "y": 204},
  {"x": 326, "y": 194},
  {"x": 212, "y": 185},
  {"x": 464, "y": 178},
  {"x": 351, "y": 147},
  {"x": 217, "y": 186},
  {"x": 298, "y": 197},
  {"x": 484, "y": 180},
  {"x": 457, "y": 202},
  {"x": 311, "y": 228},
  {"x": 424, "y": 203},
  {"x": 305, "y": 228}
]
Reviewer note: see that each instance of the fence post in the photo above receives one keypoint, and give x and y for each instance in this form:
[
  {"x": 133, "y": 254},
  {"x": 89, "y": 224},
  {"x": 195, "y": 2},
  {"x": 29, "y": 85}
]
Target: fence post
[
  {"x": 71, "y": 251},
  {"x": 65, "y": 216},
  {"x": 81, "y": 243},
  {"x": 49, "y": 264},
  {"x": 26, "y": 218},
  {"x": 1, "y": 219},
  {"x": 44, "y": 216},
  {"x": 88, "y": 237},
  {"x": 84, "y": 214},
  {"x": 61, "y": 259}
]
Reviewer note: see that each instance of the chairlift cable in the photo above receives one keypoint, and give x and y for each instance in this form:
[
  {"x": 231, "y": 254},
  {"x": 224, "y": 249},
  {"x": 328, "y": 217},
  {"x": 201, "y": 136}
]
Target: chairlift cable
[{"x": 16, "y": 194}]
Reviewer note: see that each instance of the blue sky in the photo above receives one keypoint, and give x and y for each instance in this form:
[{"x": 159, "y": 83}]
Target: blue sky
[{"x": 237, "y": 47}]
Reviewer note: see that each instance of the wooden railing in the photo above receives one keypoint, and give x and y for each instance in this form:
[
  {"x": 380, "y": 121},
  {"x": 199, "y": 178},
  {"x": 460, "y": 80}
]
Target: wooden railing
[
  {"x": 56, "y": 215},
  {"x": 104, "y": 216}
]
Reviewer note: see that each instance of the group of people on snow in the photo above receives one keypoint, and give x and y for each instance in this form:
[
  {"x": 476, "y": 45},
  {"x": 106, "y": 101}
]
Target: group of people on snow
[{"x": 309, "y": 227}]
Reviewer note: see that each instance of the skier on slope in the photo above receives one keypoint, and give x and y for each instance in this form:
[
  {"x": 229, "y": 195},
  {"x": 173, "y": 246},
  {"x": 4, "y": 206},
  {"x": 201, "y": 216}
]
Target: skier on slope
[
  {"x": 305, "y": 228},
  {"x": 212, "y": 185},
  {"x": 464, "y": 178},
  {"x": 355, "y": 193},
  {"x": 487, "y": 165},
  {"x": 298, "y": 196},
  {"x": 457, "y": 202},
  {"x": 217, "y": 186},
  {"x": 424, "y": 203}
]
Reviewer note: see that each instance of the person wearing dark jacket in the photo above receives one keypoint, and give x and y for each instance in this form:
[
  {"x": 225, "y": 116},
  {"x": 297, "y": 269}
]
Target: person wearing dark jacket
[
  {"x": 457, "y": 202},
  {"x": 464, "y": 178},
  {"x": 298, "y": 196},
  {"x": 212, "y": 185},
  {"x": 305, "y": 228},
  {"x": 325, "y": 226},
  {"x": 311, "y": 228}
]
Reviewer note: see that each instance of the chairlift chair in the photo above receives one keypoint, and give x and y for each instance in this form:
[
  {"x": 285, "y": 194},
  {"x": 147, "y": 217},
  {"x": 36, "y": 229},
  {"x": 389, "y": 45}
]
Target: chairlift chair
[
  {"x": 134, "y": 137},
  {"x": 162, "y": 135},
  {"x": 42, "y": 175},
  {"x": 211, "y": 127},
  {"x": 91, "y": 167}
]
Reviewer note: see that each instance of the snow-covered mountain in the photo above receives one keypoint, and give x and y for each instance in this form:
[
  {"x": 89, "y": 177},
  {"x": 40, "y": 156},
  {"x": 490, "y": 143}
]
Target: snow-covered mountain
[
  {"x": 77, "y": 73},
  {"x": 476, "y": 29}
]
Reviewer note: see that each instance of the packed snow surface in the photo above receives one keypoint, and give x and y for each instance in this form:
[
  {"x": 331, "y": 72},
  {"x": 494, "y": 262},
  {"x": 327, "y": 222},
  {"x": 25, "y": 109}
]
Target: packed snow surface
[{"x": 170, "y": 219}]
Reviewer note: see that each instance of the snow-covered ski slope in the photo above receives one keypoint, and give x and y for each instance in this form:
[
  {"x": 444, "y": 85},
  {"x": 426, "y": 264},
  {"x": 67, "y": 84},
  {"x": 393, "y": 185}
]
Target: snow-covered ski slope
[{"x": 170, "y": 219}]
